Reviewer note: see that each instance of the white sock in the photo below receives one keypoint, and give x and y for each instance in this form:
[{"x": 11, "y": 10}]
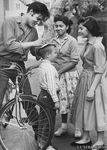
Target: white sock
[{"x": 64, "y": 125}]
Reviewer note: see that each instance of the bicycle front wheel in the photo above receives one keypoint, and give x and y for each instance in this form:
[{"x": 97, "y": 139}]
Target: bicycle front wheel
[{"x": 28, "y": 127}]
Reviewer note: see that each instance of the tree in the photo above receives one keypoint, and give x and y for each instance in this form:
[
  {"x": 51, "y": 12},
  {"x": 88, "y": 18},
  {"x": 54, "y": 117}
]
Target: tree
[
  {"x": 73, "y": 9},
  {"x": 58, "y": 7},
  {"x": 91, "y": 7}
]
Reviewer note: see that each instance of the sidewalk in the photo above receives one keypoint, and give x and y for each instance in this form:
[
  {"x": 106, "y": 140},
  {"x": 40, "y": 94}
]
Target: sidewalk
[{"x": 63, "y": 143}]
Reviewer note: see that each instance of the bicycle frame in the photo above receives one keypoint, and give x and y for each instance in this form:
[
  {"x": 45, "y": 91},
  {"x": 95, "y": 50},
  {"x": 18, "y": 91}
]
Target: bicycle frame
[
  {"x": 17, "y": 100},
  {"x": 17, "y": 93}
]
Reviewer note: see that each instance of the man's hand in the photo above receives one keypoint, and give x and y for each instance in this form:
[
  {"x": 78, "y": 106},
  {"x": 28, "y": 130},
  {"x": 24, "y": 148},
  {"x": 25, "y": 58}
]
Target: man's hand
[{"x": 38, "y": 43}]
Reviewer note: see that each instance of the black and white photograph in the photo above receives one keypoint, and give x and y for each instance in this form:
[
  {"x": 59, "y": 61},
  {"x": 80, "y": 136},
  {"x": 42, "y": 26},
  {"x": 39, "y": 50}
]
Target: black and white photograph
[{"x": 53, "y": 74}]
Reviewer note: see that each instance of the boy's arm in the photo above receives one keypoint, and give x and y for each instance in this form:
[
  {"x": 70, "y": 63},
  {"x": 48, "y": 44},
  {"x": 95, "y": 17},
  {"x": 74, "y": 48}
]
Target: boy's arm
[{"x": 51, "y": 83}]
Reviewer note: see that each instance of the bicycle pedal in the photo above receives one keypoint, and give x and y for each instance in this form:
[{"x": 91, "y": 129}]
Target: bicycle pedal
[{"x": 4, "y": 125}]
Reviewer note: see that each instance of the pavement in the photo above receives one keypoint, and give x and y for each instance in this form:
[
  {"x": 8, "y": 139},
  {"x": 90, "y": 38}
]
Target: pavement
[{"x": 63, "y": 143}]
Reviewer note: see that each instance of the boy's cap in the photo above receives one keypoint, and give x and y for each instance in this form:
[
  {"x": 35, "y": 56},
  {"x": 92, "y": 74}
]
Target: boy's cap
[{"x": 45, "y": 45}]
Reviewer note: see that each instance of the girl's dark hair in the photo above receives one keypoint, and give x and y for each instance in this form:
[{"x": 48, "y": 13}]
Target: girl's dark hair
[
  {"x": 92, "y": 25},
  {"x": 45, "y": 49},
  {"x": 65, "y": 20},
  {"x": 39, "y": 7},
  {"x": 81, "y": 20}
]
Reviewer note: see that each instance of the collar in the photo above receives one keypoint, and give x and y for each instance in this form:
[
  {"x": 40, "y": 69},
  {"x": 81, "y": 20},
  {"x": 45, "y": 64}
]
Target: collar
[
  {"x": 63, "y": 40},
  {"x": 92, "y": 41},
  {"x": 19, "y": 19},
  {"x": 46, "y": 61}
]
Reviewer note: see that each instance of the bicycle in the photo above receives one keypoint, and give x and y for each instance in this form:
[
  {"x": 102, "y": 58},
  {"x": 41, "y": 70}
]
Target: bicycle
[
  {"x": 29, "y": 125},
  {"x": 9, "y": 94}
]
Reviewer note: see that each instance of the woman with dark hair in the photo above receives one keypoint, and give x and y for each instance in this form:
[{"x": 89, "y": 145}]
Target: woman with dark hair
[
  {"x": 88, "y": 103},
  {"x": 65, "y": 63}
]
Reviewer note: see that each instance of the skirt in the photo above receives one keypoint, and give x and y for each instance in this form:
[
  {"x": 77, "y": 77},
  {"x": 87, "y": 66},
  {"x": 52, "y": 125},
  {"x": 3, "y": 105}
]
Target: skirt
[
  {"x": 68, "y": 83},
  {"x": 88, "y": 115}
]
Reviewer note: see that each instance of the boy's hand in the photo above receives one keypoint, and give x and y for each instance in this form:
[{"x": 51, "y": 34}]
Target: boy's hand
[{"x": 57, "y": 105}]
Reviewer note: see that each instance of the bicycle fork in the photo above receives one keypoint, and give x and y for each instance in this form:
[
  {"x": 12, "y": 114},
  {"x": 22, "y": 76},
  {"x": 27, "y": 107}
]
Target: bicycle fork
[{"x": 18, "y": 106}]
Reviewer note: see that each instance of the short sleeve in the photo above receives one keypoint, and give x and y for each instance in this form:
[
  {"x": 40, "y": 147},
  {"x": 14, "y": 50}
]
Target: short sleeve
[
  {"x": 74, "y": 51},
  {"x": 99, "y": 58}
]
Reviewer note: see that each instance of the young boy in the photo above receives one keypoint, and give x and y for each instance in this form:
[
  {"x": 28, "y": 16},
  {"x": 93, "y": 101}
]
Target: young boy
[{"x": 49, "y": 83}]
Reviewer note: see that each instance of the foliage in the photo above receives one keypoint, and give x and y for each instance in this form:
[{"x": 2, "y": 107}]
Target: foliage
[{"x": 91, "y": 7}]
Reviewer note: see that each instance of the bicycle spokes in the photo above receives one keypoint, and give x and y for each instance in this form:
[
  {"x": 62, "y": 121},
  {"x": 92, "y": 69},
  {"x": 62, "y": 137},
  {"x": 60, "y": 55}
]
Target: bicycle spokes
[{"x": 35, "y": 132}]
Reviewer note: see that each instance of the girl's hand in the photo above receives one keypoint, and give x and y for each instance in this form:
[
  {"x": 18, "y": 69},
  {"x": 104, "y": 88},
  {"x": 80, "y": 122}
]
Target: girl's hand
[
  {"x": 90, "y": 95},
  {"x": 57, "y": 105}
]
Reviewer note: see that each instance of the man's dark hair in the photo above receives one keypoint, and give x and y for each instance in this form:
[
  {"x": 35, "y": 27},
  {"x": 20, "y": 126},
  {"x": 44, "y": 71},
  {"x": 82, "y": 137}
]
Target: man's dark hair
[{"x": 39, "y": 7}]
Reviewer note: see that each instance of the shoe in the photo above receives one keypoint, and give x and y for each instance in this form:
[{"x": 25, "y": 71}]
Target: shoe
[
  {"x": 7, "y": 118},
  {"x": 60, "y": 132},
  {"x": 51, "y": 147},
  {"x": 77, "y": 133},
  {"x": 81, "y": 145}
]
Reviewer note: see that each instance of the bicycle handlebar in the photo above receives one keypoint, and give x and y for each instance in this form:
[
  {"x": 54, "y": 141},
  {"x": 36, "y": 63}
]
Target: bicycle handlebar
[
  {"x": 17, "y": 67},
  {"x": 20, "y": 74}
]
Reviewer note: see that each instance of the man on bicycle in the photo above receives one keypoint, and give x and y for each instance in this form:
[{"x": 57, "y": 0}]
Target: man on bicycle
[{"x": 18, "y": 37}]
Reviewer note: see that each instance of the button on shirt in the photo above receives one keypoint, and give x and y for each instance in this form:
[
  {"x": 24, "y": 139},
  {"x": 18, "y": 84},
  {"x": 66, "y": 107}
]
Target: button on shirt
[
  {"x": 12, "y": 34},
  {"x": 49, "y": 79}
]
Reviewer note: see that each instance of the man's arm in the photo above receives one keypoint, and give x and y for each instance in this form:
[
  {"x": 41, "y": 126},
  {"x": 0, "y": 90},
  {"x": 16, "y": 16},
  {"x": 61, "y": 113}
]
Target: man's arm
[
  {"x": 37, "y": 43},
  {"x": 10, "y": 41}
]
